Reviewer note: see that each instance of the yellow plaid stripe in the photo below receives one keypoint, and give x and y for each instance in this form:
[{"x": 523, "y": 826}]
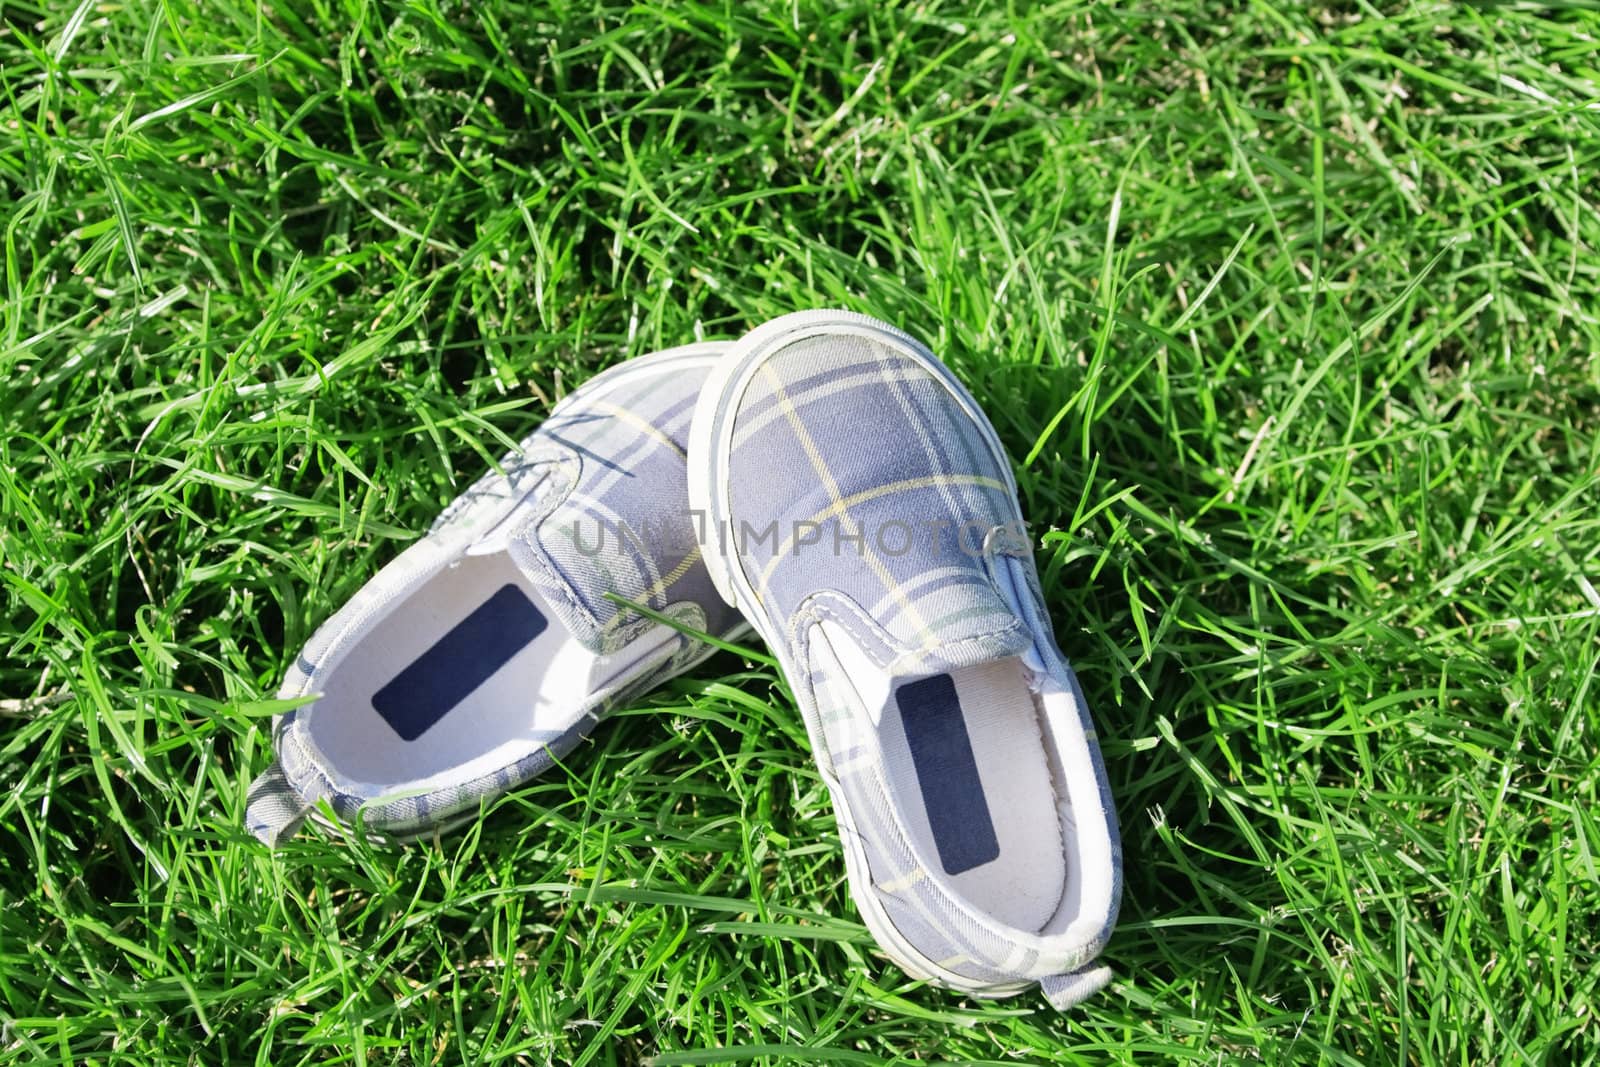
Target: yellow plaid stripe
[
  {"x": 842, "y": 504},
  {"x": 640, "y": 423},
  {"x": 832, "y": 485},
  {"x": 658, "y": 587}
]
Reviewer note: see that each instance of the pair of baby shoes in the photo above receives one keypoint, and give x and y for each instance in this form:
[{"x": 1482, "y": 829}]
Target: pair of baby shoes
[{"x": 829, "y": 483}]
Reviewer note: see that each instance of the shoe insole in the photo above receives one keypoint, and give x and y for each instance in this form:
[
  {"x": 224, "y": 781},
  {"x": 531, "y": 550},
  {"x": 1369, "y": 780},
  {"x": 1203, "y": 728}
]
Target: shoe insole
[
  {"x": 471, "y": 668},
  {"x": 460, "y": 661},
  {"x": 968, "y": 768}
]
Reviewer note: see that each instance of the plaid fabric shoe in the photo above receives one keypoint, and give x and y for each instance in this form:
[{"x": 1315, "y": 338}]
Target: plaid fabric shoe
[
  {"x": 859, "y": 509},
  {"x": 488, "y": 649}
]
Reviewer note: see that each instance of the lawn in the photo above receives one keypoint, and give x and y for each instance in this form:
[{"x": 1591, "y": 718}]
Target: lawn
[{"x": 1288, "y": 318}]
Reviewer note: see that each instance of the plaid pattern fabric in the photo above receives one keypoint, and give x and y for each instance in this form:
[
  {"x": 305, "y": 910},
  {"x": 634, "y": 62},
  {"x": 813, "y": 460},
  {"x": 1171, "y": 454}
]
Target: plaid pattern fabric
[
  {"x": 892, "y": 511},
  {"x": 900, "y": 520},
  {"x": 623, "y": 526},
  {"x": 607, "y": 469}
]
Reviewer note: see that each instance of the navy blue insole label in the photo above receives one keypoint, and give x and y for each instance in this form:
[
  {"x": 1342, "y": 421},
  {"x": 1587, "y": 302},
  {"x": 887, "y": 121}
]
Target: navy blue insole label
[
  {"x": 947, "y": 771},
  {"x": 459, "y": 662}
]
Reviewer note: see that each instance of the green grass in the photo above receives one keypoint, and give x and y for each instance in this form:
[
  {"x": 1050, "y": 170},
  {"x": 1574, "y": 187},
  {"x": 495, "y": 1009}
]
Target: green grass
[{"x": 1288, "y": 318}]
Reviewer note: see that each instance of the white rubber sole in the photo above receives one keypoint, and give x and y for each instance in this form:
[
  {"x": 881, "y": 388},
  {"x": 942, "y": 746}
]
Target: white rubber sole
[{"x": 710, "y": 444}]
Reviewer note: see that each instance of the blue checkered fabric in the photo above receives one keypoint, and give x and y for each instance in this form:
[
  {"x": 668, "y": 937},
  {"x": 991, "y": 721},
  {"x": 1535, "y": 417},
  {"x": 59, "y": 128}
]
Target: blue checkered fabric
[
  {"x": 607, "y": 469},
  {"x": 889, "y": 491},
  {"x": 866, "y": 489},
  {"x": 618, "y": 521}
]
